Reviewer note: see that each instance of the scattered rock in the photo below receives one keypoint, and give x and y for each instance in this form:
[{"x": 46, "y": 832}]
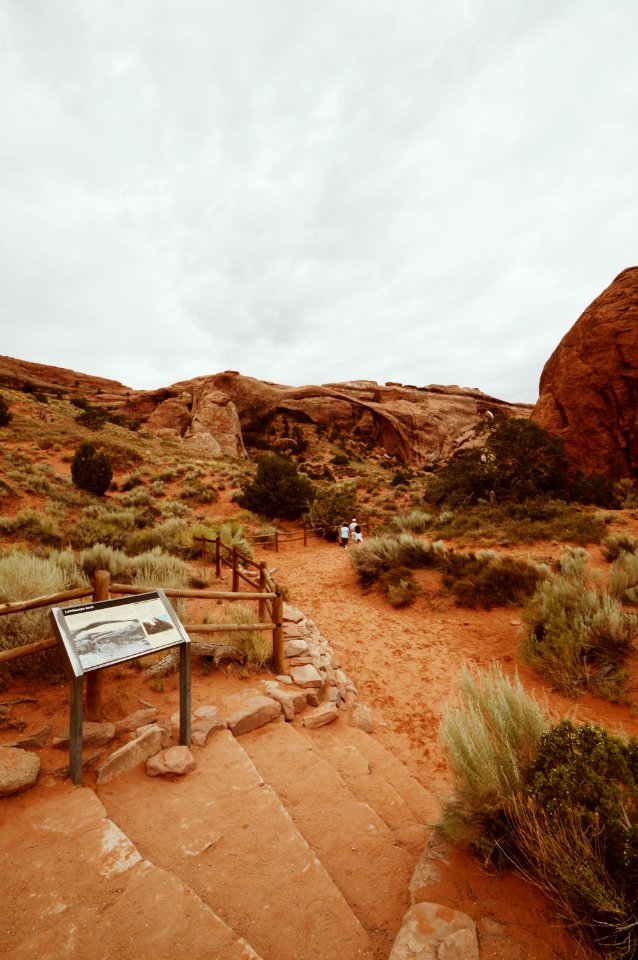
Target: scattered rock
[
  {"x": 362, "y": 718},
  {"x": 35, "y": 740},
  {"x": 321, "y": 716},
  {"x": 175, "y": 761},
  {"x": 255, "y": 711},
  {"x": 206, "y": 719},
  {"x": 292, "y": 701},
  {"x": 164, "y": 726},
  {"x": 93, "y": 734},
  {"x": 432, "y": 932},
  {"x": 18, "y": 770},
  {"x": 140, "y": 718},
  {"x": 306, "y": 676},
  {"x": 131, "y": 755},
  {"x": 295, "y": 647}
]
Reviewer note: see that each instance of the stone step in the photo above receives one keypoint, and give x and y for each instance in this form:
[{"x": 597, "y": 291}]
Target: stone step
[
  {"x": 225, "y": 833},
  {"x": 424, "y": 805},
  {"x": 351, "y": 840},
  {"x": 368, "y": 783},
  {"x": 75, "y": 886}
]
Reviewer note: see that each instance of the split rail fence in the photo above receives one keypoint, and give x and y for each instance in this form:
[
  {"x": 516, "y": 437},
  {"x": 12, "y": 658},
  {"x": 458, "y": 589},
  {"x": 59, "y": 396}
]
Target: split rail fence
[{"x": 269, "y": 616}]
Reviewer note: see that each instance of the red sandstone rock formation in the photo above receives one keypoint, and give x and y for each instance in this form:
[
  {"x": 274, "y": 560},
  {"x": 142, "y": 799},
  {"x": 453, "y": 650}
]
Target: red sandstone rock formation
[
  {"x": 214, "y": 414},
  {"x": 589, "y": 386}
]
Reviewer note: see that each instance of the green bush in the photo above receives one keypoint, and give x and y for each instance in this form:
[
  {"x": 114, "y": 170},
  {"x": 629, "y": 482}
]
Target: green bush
[
  {"x": 521, "y": 523},
  {"x": 399, "y": 586},
  {"x": 486, "y": 580},
  {"x": 623, "y": 578},
  {"x": 91, "y": 470},
  {"x": 578, "y": 831},
  {"x": 278, "y": 489},
  {"x": 414, "y": 521}
]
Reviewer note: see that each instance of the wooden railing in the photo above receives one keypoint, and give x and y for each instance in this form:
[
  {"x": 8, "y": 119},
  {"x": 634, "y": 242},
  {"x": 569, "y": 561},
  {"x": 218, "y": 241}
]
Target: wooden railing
[{"x": 268, "y": 597}]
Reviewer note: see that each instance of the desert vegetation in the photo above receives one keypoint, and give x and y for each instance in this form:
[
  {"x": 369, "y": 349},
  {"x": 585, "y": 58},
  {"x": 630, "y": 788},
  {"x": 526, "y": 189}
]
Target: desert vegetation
[{"x": 557, "y": 801}]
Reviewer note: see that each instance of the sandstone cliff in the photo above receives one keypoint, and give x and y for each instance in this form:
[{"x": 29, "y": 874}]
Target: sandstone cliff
[
  {"x": 588, "y": 391},
  {"x": 215, "y": 414}
]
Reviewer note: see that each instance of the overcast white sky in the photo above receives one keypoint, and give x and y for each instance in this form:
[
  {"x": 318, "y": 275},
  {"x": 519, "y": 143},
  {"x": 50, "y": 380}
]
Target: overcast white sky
[{"x": 429, "y": 191}]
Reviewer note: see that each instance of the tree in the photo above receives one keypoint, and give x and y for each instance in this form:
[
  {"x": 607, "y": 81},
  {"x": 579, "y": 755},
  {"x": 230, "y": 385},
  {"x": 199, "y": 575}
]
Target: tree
[
  {"x": 517, "y": 461},
  {"x": 5, "y": 415},
  {"x": 277, "y": 490},
  {"x": 91, "y": 470},
  {"x": 333, "y": 503}
]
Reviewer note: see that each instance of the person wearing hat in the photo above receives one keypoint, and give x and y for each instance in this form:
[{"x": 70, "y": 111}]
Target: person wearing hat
[{"x": 355, "y": 531}]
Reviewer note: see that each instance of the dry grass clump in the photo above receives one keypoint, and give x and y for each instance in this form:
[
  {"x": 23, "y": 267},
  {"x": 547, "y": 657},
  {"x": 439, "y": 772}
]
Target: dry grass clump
[
  {"x": 623, "y": 578},
  {"x": 24, "y": 576},
  {"x": 617, "y": 543},
  {"x": 491, "y": 735},
  {"x": 379, "y": 554},
  {"x": 412, "y": 521},
  {"x": 399, "y": 586},
  {"x": 579, "y": 636},
  {"x": 256, "y": 645},
  {"x": 33, "y": 525}
]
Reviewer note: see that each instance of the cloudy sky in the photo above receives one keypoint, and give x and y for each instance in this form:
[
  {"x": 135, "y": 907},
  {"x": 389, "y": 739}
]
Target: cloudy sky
[{"x": 428, "y": 191}]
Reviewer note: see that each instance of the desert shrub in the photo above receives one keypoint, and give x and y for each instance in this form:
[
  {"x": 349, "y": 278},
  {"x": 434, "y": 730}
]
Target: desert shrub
[
  {"x": 617, "y": 543},
  {"x": 578, "y": 637},
  {"x": 626, "y": 494},
  {"x": 491, "y": 734},
  {"x": 414, "y": 521},
  {"x": 486, "y": 580},
  {"x": 231, "y": 532},
  {"x": 577, "y": 831},
  {"x": 199, "y": 492},
  {"x": 168, "y": 536},
  {"x": 378, "y": 554},
  {"x": 521, "y": 523},
  {"x": 110, "y": 527},
  {"x": 174, "y": 508},
  {"x": 157, "y": 569},
  {"x": 131, "y": 480},
  {"x": 332, "y": 502},
  {"x": 137, "y": 497},
  {"x": 33, "y": 525},
  {"x": 91, "y": 470},
  {"x": 399, "y": 586},
  {"x": 101, "y": 557},
  {"x": 278, "y": 489},
  {"x": 157, "y": 488},
  {"x": 5, "y": 414},
  {"x": 255, "y": 644},
  {"x": 623, "y": 578},
  {"x": 24, "y": 576}
]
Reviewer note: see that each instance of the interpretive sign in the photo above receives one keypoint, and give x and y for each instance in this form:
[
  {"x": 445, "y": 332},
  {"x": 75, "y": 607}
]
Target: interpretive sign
[
  {"x": 111, "y": 631},
  {"x": 106, "y": 632}
]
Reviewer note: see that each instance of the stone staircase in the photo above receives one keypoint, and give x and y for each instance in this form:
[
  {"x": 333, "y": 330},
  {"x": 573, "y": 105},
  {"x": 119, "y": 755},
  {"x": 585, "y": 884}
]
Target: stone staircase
[{"x": 304, "y": 823}]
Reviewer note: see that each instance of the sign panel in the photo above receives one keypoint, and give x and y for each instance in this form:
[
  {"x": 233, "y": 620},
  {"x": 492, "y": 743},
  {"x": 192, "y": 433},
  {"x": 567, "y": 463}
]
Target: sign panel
[{"x": 98, "y": 634}]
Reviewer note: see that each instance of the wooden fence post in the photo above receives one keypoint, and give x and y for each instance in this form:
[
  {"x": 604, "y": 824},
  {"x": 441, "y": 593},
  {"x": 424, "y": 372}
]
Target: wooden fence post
[
  {"x": 278, "y": 634},
  {"x": 101, "y": 584},
  {"x": 276, "y": 541},
  {"x": 235, "y": 586},
  {"x": 204, "y": 550},
  {"x": 262, "y": 589},
  {"x": 218, "y": 557},
  {"x": 305, "y": 541}
]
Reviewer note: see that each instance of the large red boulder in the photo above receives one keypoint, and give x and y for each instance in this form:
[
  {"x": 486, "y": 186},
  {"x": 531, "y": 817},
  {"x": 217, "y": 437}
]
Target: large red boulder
[{"x": 588, "y": 392}]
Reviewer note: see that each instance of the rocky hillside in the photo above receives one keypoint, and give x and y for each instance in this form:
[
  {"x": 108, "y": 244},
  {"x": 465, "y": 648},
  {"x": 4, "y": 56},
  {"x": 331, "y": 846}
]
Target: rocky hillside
[
  {"x": 589, "y": 386},
  {"x": 223, "y": 414}
]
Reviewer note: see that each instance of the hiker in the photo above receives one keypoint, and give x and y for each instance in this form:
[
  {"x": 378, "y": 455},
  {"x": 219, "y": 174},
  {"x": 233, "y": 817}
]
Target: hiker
[
  {"x": 355, "y": 531},
  {"x": 344, "y": 534}
]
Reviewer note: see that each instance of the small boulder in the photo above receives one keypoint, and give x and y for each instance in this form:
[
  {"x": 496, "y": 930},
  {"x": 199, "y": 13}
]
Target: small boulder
[
  {"x": 175, "y": 761},
  {"x": 93, "y": 735},
  {"x": 19, "y": 770},
  {"x": 141, "y": 718},
  {"x": 432, "y": 932},
  {"x": 321, "y": 716},
  {"x": 306, "y": 676}
]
